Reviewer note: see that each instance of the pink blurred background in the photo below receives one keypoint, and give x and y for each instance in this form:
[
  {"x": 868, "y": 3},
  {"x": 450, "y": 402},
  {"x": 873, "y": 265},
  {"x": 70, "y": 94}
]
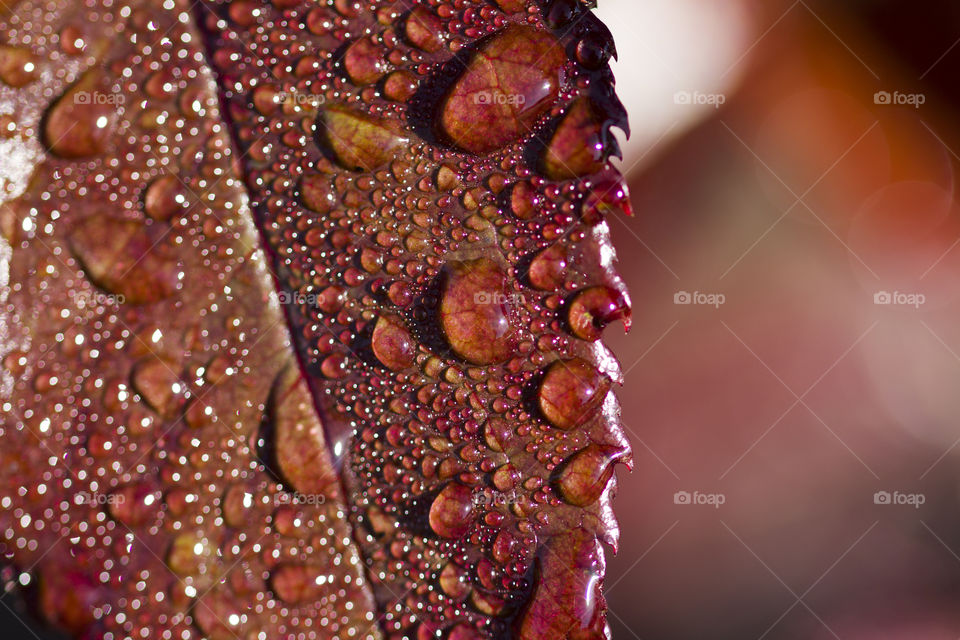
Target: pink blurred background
[{"x": 793, "y": 171}]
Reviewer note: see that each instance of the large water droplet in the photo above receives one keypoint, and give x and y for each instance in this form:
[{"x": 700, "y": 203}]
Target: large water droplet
[
  {"x": 571, "y": 392},
  {"x": 423, "y": 29},
  {"x": 594, "y": 308},
  {"x": 356, "y": 140},
  {"x": 464, "y": 632},
  {"x": 584, "y": 475},
  {"x": 453, "y": 581},
  {"x": 475, "y": 313},
  {"x": 566, "y": 598},
  {"x": 511, "y": 6},
  {"x": 18, "y": 66},
  {"x": 301, "y": 447},
  {"x": 122, "y": 257},
  {"x": 451, "y": 511},
  {"x": 400, "y": 86},
  {"x": 363, "y": 61},
  {"x": 237, "y": 504},
  {"x": 508, "y": 84},
  {"x": 80, "y": 123},
  {"x": 67, "y": 598},
  {"x": 548, "y": 268},
  {"x": 392, "y": 344},
  {"x": 576, "y": 148},
  {"x": 218, "y": 617}
]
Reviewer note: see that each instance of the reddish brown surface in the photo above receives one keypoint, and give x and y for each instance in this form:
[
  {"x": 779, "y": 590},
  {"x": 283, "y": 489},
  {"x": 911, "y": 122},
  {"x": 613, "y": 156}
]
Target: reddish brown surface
[
  {"x": 475, "y": 311},
  {"x": 508, "y": 84},
  {"x": 372, "y": 449}
]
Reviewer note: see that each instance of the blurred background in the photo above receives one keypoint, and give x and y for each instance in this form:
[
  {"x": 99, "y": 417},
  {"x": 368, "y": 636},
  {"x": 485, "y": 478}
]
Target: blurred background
[{"x": 793, "y": 372}]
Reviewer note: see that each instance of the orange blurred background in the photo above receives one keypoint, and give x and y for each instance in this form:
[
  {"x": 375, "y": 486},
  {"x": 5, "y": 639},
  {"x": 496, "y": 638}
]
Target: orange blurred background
[{"x": 793, "y": 372}]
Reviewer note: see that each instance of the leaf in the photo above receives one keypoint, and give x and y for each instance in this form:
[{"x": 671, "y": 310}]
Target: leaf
[{"x": 280, "y": 357}]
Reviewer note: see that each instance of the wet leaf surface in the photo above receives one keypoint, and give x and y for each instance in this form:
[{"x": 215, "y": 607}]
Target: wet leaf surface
[{"x": 277, "y": 363}]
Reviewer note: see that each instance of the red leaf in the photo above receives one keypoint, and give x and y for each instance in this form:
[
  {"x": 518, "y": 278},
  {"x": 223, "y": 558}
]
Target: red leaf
[{"x": 279, "y": 360}]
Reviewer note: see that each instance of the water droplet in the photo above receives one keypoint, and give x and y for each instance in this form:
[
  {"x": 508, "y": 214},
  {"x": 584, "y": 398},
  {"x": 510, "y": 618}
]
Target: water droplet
[
  {"x": 571, "y": 392},
  {"x": 159, "y": 385},
  {"x": 348, "y": 8},
  {"x": 189, "y": 554},
  {"x": 451, "y": 511},
  {"x": 18, "y": 66},
  {"x": 561, "y": 13},
  {"x": 525, "y": 201},
  {"x": 122, "y": 257},
  {"x": 164, "y": 197},
  {"x": 400, "y": 86},
  {"x": 67, "y": 598},
  {"x": 464, "y": 632},
  {"x": 447, "y": 178},
  {"x": 576, "y": 148},
  {"x": 72, "y": 41},
  {"x": 475, "y": 311},
  {"x": 594, "y": 50},
  {"x": 392, "y": 344},
  {"x": 358, "y": 141},
  {"x": 548, "y": 268},
  {"x": 295, "y": 583},
  {"x": 244, "y": 12},
  {"x": 301, "y": 446},
  {"x": 594, "y": 308},
  {"x": 508, "y": 84},
  {"x": 363, "y": 61},
  {"x": 218, "y": 617},
  {"x": 584, "y": 475},
  {"x": 423, "y": 29},
  {"x": 81, "y": 122},
  {"x": 267, "y": 99},
  {"x": 454, "y": 582},
  {"x": 567, "y": 595},
  {"x": 134, "y": 504},
  {"x": 316, "y": 193},
  {"x": 511, "y": 6}
]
